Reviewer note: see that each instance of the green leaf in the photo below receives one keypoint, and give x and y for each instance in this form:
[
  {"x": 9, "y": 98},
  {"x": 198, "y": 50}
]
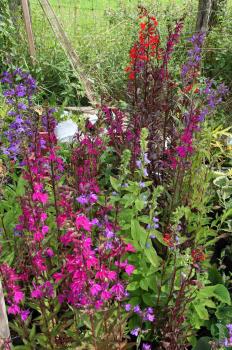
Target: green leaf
[
  {"x": 152, "y": 255},
  {"x": 203, "y": 344},
  {"x": 214, "y": 275},
  {"x": 148, "y": 299},
  {"x": 222, "y": 294},
  {"x": 224, "y": 312},
  {"x": 227, "y": 214},
  {"x": 20, "y": 189},
  {"x": 139, "y": 204},
  {"x": 133, "y": 285},
  {"x": 115, "y": 183},
  {"x": 128, "y": 200},
  {"x": 32, "y": 333},
  {"x": 138, "y": 233},
  {"x": 42, "y": 340},
  {"x": 144, "y": 284},
  {"x": 221, "y": 181},
  {"x": 201, "y": 311}
]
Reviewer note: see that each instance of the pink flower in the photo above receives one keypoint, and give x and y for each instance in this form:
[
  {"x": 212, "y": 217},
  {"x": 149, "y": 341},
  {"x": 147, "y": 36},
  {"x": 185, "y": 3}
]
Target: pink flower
[
  {"x": 61, "y": 219},
  {"x": 18, "y": 296},
  {"x": 118, "y": 290},
  {"x": 49, "y": 252},
  {"x": 14, "y": 309},
  {"x": 182, "y": 151},
  {"x": 98, "y": 304},
  {"x": 95, "y": 289},
  {"x": 24, "y": 315},
  {"x": 130, "y": 248},
  {"x": 37, "y": 293},
  {"x": 129, "y": 269},
  {"x": 38, "y": 236},
  {"x": 66, "y": 238},
  {"x": 58, "y": 276},
  {"x": 43, "y": 216},
  {"x": 83, "y": 222},
  {"x": 45, "y": 229},
  {"x": 106, "y": 295},
  {"x": 112, "y": 275},
  {"x": 40, "y": 197}
]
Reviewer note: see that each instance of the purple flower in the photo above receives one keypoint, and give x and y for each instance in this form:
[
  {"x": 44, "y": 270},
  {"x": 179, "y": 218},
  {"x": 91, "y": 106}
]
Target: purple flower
[
  {"x": 139, "y": 164},
  {"x": 146, "y": 346},
  {"x": 24, "y": 315},
  {"x": 152, "y": 236},
  {"x": 93, "y": 198},
  {"x": 146, "y": 160},
  {"x": 127, "y": 307},
  {"x": 137, "y": 309},
  {"x": 82, "y": 200},
  {"x": 142, "y": 184},
  {"x": 145, "y": 173},
  {"x": 135, "y": 331},
  {"x": 229, "y": 327},
  {"x": 95, "y": 221},
  {"x": 109, "y": 234},
  {"x": 22, "y": 106}
]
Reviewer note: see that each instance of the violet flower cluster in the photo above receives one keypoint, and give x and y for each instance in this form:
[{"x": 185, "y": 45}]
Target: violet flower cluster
[
  {"x": 209, "y": 96},
  {"x": 20, "y": 88},
  {"x": 228, "y": 341}
]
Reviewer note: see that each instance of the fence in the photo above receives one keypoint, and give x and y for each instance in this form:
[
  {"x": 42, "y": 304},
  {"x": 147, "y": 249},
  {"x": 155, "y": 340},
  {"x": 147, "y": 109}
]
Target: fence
[{"x": 101, "y": 32}]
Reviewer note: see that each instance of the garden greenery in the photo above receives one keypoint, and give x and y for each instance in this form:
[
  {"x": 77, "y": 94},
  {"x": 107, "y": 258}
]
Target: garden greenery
[{"x": 107, "y": 240}]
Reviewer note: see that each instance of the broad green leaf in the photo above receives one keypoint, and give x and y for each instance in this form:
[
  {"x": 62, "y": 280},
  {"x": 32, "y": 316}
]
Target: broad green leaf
[
  {"x": 214, "y": 275},
  {"x": 133, "y": 285},
  {"x": 148, "y": 299},
  {"x": 139, "y": 204},
  {"x": 201, "y": 311},
  {"x": 222, "y": 294},
  {"x": 115, "y": 183},
  {"x": 203, "y": 344},
  {"x": 221, "y": 181},
  {"x": 224, "y": 312},
  {"x": 144, "y": 284},
  {"x": 152, "y": 255},
  {"x": 138, "y": 233}
]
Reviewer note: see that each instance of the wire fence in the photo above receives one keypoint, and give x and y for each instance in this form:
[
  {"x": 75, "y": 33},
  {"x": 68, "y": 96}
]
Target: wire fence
[{"x": 102, "y": 31}]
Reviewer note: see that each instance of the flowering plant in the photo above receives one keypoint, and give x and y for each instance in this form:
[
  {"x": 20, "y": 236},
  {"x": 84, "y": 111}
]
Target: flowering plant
[{"x": 113, "y": 228}]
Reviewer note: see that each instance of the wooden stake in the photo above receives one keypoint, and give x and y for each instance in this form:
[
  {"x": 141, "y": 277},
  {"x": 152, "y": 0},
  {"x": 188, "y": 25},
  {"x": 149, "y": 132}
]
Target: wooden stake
[
  {"x": 28, "y": 25},
  {"x": 4, "y": 326},
  {"x": 68, "y": 49}
]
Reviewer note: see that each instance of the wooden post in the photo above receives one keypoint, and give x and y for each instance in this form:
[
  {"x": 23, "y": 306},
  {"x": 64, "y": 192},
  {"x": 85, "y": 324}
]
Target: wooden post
[
  {"x": 4, "y": 326},
  {"x": 28, "y": 26},
  {"x": 203, "y": 15},
  {"x": 68, "y": 49}
]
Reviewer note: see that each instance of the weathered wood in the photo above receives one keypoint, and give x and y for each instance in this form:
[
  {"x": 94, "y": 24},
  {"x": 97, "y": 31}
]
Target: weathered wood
[
  {"x": 28, "y": 26},
  {"x": 4, "y": 326},
  {"x": 84, "y": 110},
  {"x": 203, "y": 15},
  {"x": 68, "y": 48}
]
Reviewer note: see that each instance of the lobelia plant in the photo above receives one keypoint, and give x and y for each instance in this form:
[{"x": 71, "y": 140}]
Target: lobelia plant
[
  {"x": 173, "y": 113},
  {"x": 68, "y": 274}
]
